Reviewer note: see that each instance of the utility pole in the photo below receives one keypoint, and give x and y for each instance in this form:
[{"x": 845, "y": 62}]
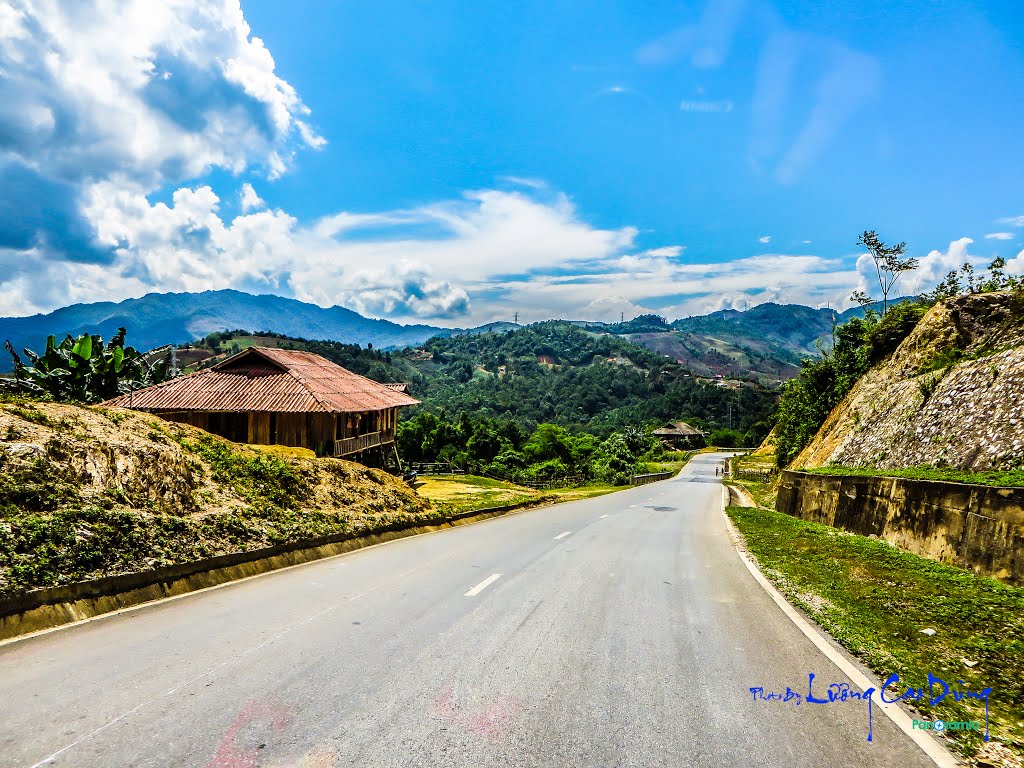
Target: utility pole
[{"x": 730, "y": 414}]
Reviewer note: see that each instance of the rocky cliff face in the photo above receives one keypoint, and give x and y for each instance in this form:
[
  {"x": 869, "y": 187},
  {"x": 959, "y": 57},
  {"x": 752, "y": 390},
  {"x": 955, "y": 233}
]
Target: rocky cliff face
[{"x": 951, "y": 395}]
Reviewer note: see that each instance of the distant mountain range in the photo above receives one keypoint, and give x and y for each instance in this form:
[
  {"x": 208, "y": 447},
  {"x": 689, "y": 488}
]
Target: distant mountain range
[
  {"x": 766, "y": 342},
  {"x": 179, "y": 318}
]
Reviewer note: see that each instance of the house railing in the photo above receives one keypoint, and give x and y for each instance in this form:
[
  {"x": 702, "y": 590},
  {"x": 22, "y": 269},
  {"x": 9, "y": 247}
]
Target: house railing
[{"x": 350, "y": 445}]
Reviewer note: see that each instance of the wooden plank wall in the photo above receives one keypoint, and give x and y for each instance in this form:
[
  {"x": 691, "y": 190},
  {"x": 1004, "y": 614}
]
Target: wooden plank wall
[
  {"x": 320, "y": 428},
  {"x": 291, "y": 429},
  {"x": 259, "y": 429}
]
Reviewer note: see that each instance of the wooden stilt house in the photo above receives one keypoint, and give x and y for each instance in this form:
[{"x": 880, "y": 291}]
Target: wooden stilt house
[{"x": 269, "y": 396}]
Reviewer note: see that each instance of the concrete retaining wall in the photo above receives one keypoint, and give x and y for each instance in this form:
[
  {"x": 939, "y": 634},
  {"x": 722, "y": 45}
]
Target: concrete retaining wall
[
  {"x": 971, "y": 526},
  {"x": 47, "y": 608}
]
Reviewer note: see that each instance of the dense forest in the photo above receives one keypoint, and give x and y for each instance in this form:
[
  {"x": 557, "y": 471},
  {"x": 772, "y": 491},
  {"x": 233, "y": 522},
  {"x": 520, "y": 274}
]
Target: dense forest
[{"x": 558, "y": 373}]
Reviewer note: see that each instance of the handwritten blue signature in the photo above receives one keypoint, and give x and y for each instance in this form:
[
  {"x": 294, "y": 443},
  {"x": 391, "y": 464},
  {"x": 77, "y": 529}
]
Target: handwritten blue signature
[{"x": 840, "y": 692}]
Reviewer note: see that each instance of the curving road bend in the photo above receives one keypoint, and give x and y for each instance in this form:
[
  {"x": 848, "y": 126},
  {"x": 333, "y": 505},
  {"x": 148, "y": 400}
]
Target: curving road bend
[{"x": 617, "y": 631}]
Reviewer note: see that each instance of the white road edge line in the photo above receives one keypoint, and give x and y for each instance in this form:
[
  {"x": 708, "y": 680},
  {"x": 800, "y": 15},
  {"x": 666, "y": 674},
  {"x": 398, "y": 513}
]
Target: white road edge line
[
  {"x": 935, "y": 751},
  {"x": 483, "y": 585},
  {"x": 562, "y": 535}
]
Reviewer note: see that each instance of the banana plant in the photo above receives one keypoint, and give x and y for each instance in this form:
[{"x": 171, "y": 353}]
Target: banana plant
[{"x": 83, "y": 369}]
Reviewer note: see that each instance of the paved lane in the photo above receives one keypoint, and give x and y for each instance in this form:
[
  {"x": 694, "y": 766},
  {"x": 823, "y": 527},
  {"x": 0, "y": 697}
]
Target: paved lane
[{"x": 617, "y": 631}]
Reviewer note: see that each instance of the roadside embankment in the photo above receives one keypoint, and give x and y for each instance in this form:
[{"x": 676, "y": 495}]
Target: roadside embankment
[{"x": 971, "y": 526}]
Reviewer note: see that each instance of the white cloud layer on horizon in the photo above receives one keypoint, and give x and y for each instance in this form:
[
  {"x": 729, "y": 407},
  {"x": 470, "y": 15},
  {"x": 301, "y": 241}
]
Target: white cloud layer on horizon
[{"x": 501, "y": 245}]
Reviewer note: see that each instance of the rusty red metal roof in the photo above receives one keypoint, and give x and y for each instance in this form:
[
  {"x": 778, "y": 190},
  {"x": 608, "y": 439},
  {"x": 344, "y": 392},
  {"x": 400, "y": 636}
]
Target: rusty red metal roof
[{"x": 272, "y": 380}]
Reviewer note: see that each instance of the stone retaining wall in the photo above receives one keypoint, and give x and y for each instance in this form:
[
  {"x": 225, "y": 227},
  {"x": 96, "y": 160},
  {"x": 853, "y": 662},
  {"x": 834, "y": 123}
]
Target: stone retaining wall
[{"x": 976, "y": 527}]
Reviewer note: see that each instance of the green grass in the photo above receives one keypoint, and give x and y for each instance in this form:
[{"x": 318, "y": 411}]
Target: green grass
[
  {"x": 997, "y": 478},
  {"x": 763, "y": 493},
  {"x": 673, "y": 461},
  {"x": 875, "y": 599},
  {"x": 258, "y": 477}
]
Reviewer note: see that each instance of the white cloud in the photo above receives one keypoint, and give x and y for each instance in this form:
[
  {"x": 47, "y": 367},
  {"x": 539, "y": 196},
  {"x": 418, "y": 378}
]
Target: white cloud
[
  {"x": 514, "y": 251},
  {"x": 151, "y": 90},
  {"x": 765, "y": 239},
  {"x": 1013, "y": 221},
  {"x": 611, "y": 309},
  {"x": 1015, "y": 266},
  {"x": 249, "y": 200},
  {"x": 136, "y": 93},
  {"x": 999, "y": 236},
  {"x": 936, "y": 265}
]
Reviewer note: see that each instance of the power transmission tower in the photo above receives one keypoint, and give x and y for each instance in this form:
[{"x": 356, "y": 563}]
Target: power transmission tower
[
  {"x": 515, "y": 319},
  {"x": 622, "y": 317}
]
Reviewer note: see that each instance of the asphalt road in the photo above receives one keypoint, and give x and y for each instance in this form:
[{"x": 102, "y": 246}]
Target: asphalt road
[{"x": 617, "y": 631}]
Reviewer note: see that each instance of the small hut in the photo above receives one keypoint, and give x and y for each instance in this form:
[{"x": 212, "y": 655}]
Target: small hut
[
  {"x": 265, "y": 396},
  {"x": 680, "y": 435}
]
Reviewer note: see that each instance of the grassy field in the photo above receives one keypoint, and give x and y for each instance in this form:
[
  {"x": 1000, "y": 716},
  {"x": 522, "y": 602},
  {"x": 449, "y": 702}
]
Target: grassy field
[
  {"x": 467, "y": 493},
  {"x": 999, "y": 478},
  {"x": 672, "y": 462},
  {"x": 876, "y": 600}
]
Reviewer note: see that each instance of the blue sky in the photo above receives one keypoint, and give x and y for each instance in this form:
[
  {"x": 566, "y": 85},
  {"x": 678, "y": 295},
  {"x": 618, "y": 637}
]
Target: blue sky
[{"x": 456, "y": 162}]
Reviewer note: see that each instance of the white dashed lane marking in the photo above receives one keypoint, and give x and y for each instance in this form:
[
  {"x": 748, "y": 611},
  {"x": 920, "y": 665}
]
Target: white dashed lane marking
[{"x": 483, "y": 585}]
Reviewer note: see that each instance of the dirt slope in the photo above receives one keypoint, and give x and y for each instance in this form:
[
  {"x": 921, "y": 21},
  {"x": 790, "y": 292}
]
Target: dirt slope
[
  {"x": 951, "y": 395},
  {"x": 88, "y": 492}
]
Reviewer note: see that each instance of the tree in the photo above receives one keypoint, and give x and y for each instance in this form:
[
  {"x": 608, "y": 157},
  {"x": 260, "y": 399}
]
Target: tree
[
  {"x": 83, "y": 369},
  {"x": 889, "y": 267}
]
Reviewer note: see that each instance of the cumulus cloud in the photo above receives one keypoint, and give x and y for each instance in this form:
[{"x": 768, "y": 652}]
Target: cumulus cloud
[
  {"x": 405, "y": 289},
  {"x": 1015, "y": 266},
  {"x": 249, "y": 200},
  {"x": 147, "y": 94},
  {"x": 612, "y": 309},
  {"x": 151, "y": 90},
  {"x": 999, "y": 236},
  {"x": 936, "y": 265}
]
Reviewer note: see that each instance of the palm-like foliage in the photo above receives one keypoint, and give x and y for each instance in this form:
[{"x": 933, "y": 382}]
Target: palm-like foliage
[{"x": 83, "y": 369}]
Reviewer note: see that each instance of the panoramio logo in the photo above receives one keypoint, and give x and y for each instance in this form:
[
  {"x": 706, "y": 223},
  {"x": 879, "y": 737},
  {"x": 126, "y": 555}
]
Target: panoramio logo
[{"x": 947, "y": 725}]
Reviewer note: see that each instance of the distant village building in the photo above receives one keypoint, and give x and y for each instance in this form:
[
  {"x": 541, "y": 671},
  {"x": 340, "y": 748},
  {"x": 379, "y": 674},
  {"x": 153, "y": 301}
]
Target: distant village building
[
  {"x": 680, "y": 435},
  {"x": 266, "y": 396}
]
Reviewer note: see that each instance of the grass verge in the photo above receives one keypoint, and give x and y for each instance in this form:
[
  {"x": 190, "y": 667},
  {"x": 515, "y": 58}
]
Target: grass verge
[
  {"x": 455, "y": 494},
  {"x": 763, "y": 493},
  {"x": 876, "y": 599},
  {"x": 1011, "y": 478}
]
